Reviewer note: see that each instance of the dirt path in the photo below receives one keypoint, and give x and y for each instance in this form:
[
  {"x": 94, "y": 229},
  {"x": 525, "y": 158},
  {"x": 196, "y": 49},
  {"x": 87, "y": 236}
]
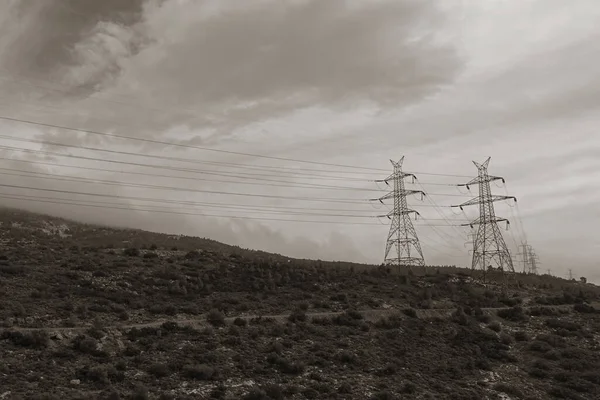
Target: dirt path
[{"x": 368, "y": 315}]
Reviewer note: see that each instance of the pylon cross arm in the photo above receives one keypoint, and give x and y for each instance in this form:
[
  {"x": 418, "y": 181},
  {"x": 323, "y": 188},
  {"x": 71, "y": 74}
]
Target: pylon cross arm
[
  {"x": 401, "y": 212},
  {"x": 479, "y": 200},
  {"x": 411, "y": 192},
  {"x": 480, "y": 221},
  {"x": 385, "y": 197},
  {"x": 482, "y": 179}
]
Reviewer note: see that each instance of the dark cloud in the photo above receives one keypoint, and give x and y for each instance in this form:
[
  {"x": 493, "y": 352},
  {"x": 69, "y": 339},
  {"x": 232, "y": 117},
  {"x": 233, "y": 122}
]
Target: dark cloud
[
  {"x": 53, "y": 30},
  {"x": 172, "y": 63}
]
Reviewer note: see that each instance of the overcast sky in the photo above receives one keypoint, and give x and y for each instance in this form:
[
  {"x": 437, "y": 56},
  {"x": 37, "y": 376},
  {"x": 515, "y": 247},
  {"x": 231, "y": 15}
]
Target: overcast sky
[{"x": 341, "y": 82}]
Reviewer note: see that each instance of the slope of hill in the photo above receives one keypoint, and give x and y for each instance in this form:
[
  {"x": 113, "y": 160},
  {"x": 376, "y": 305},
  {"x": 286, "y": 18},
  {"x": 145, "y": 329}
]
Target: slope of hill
[{"x": 96, "y": 312}]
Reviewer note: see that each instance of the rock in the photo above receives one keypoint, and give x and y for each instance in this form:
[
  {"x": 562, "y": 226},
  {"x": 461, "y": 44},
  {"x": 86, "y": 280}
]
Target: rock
[{"x": 75, "y": 382}]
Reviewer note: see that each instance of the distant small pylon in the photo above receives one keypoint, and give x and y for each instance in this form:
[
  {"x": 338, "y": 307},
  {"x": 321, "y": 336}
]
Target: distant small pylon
[{"x": 529, "y": 259}]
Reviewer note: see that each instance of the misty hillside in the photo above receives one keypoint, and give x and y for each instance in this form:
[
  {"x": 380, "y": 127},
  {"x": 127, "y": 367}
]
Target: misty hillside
[{"x": 96, "y": 312}]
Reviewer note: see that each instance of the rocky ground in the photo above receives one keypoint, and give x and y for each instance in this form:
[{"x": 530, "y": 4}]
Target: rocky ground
[{"x": 91, "y": 312}]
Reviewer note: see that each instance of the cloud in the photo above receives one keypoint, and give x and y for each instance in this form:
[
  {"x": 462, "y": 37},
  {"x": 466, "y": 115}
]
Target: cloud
[
  {"x": 44, "y": 38},
  {"x": 232, "y": 65}
]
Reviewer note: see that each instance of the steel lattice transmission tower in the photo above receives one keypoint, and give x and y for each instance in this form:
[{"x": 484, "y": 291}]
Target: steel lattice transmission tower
[
  {"x": 489, "y": 247},
  {"x": 530, "y": 259},
  {"x": 402, "y": 236}
]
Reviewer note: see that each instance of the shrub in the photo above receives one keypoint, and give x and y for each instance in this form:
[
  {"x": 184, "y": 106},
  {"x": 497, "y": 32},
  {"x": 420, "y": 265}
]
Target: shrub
[
  {"x": 275, "y": 392},
  {"x": 256, "y": 394},
  {"x": 215, "y": 318},
  {"x": 218, "y": 392},
  {"x": 409, "y": 388},
  {"x": 201, "y": 372},
  {"x": 390, "y": 322},
  {"x": 345, "y": 388},
  {"x": 348, "y": 318},
  {"x": 123, "y": 315},
  {"x": 131, "y": 252},
  {"x": 508, "y": 389},
  {"x": 297, "y": 316},
  {"x": 286, "y": 366},
  {"x": 35, "y": 339},
  {"x": 495, "y": 326},
  {"x": 158, "y": 370},
  {"x": 140, "y": 393},
  {"x": 553, "y": 340},
  {"x": 240, "y": 322},
  {"x": 539, "y": 346},
  {"x": 506, "y": 339},
  {"x": 484, "y": 318},
  {"x": 348, "y": 357},
  {"x": 385, "y": 395},
  {"x": 562, "y": 324},
  {"x": 521, "y": 336},
  {"x": 411, "y": 312},
  {"x": 515, "y": 314},
  {"x": 85, "y": 344},
  {"x": 584, "y": 308},
  {"x": 542, "y": 311}
]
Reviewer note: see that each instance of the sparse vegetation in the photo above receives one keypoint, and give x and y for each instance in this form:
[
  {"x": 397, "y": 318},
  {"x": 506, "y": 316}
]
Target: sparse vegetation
[{"x": 89, "y": 318}]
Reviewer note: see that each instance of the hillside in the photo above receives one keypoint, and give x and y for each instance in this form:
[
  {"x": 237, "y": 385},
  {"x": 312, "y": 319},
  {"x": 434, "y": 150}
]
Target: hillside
[{"x": 95, "y": 312}]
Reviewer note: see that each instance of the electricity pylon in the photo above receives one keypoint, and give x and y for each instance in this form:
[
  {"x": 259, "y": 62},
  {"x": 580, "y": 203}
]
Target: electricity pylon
[
  {"x": 529, "y": 258},
  {"x": 471, "y": 242},
  {"x": 534, "y": 260},
  {"x": 525, "y": 255},
  {"x": 402, "y": 235},
  {"x": 489, "y": 246}
]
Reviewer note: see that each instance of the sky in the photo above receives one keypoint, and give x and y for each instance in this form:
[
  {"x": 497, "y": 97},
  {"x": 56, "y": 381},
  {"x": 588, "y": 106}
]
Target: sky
[{"x": 275, "y": 118}]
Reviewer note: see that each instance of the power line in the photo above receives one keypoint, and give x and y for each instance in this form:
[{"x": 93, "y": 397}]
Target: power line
[
  {"x": 46, "y": 175},
  {"x": 439, "y": 211},
  {"x": 202, "y": 204},
  {"x": 255, "y": 210},
  {"x": 333, "y": 200},
  {"x": 71, "y": 203},
  {"x": 230, "y": 174},
  {"x": 327, "y": 200},
  {"x": 185, "y": 160},
  {"x": 62, "y": 177},
  {"x": 174, "y": 144},
  {"x": 169, "y": 188},
  {"x": 90, "y": 204}
]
